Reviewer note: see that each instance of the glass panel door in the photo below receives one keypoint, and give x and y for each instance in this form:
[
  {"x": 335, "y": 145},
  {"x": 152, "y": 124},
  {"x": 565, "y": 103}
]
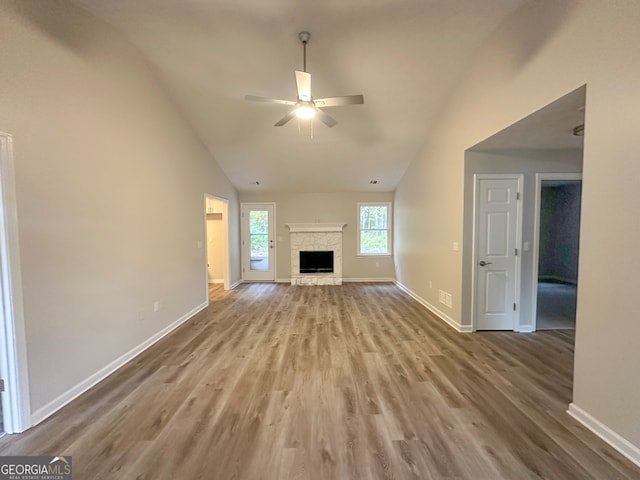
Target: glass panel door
[{"x": 258, "y": 247}]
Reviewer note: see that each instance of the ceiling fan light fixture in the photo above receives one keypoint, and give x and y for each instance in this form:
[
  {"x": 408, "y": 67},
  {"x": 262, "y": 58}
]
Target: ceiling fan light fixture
[
  {"x": 305, "y": 112},
  {"x": 305, "y": 107}
]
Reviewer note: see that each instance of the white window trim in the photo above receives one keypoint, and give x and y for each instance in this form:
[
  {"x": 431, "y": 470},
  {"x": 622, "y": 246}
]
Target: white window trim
[{"x": 389, "y": 206}]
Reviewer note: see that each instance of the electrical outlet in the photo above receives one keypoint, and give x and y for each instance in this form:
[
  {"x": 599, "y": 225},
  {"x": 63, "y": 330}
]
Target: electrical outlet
[
  {"x": 156, "y": 306},
  {"x": 430, "y": 284}
]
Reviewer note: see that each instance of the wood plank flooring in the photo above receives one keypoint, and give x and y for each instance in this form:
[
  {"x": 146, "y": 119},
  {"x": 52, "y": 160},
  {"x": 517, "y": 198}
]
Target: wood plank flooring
[{"x": 351, "y": 382}]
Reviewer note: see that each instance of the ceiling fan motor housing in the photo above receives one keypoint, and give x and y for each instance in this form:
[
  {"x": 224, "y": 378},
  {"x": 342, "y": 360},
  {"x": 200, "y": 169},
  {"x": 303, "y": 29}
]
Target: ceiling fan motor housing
[{"x": 304, "y": 37}]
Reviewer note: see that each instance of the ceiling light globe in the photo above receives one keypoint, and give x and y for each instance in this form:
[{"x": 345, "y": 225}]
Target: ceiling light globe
[{"x": 305, "y": 112}]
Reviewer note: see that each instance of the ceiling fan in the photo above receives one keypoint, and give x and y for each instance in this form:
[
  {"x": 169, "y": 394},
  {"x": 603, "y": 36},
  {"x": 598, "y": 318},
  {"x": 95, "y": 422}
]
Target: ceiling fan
[{"x": 306, "y": 107}]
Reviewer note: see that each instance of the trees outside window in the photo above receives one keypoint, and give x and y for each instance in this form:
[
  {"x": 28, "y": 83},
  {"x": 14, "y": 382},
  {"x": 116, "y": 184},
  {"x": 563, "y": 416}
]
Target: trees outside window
[
  {"x": 259, "y": 233},
  {"x": 374, "y": 228}
]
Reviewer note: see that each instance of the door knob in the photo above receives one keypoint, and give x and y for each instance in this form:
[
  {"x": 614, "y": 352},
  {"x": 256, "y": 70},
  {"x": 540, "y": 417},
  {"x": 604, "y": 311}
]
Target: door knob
[{"x": 483, "y": 263}]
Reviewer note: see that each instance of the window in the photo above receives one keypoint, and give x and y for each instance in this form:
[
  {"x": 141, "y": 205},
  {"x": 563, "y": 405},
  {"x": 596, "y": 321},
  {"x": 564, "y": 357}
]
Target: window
[{"x": 374, "y": 228}]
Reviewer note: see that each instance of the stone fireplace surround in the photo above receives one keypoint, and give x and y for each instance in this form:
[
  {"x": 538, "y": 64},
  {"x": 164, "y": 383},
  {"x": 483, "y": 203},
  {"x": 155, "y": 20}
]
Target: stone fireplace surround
[{"x": 316, "y": 237}]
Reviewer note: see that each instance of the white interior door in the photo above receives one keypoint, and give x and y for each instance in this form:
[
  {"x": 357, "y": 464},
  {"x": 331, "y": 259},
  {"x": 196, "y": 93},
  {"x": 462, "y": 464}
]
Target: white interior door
[
  {"x": 258, "y": 246},
  {"x": 496, "y": 261}
]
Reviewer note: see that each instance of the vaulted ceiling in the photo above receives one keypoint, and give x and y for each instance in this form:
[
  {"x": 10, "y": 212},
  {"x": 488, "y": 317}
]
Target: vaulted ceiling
[{"x": 404, "y": 56}]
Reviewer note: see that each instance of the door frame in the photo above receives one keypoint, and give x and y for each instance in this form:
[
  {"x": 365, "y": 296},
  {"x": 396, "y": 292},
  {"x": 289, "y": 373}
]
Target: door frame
[
  {"x": 16, "y": 404},
  {"x": 225, "y": 240},
  {"x": 540, "y": 177},
  {"x": 242, "y": 238},
  {"x": 474, "y": 248}
]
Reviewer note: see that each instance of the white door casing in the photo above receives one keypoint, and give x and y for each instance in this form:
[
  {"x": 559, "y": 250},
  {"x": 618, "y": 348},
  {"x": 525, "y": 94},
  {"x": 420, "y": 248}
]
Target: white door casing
[
  {"x": 258, "y": 242},
  {"x": 16, "y": 407},
  {"x": 496, "y": 266}
]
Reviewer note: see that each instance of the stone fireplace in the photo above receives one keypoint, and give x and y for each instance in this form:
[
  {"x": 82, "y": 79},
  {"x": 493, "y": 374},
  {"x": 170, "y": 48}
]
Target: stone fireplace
[{"x": 316, "y": 237}]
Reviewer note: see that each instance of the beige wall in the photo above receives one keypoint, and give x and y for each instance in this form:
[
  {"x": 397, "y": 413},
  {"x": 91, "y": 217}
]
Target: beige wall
[
  {"x": 110, "y": 185},
  {"x": 543, "y": 51},
  {"x": 325, "y": 207}
]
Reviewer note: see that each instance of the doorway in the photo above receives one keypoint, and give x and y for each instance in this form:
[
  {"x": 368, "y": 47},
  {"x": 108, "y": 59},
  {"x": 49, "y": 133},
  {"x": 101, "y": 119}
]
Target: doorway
[
  {"x": 258, "y": 246},
  {"x": 497, "y": 235},
  {"x": 556, "y": 251},
  {"x": 217, "y": 244}
]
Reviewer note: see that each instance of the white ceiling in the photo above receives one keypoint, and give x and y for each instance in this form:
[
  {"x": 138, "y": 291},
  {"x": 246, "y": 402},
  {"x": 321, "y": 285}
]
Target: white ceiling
[{"x": 404, "y": 56}]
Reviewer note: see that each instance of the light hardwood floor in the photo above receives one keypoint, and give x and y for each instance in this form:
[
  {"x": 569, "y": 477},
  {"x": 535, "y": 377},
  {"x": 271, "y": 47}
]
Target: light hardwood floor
[{"x": 351, "y": 382}]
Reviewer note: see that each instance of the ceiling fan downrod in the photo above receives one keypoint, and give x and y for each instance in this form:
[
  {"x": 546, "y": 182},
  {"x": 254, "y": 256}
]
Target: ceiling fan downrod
[{"x": 304, "y": 38}]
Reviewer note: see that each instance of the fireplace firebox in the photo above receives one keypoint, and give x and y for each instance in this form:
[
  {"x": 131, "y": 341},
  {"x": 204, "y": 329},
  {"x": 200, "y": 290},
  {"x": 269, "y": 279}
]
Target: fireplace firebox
[{"x": 316, "y": 262}]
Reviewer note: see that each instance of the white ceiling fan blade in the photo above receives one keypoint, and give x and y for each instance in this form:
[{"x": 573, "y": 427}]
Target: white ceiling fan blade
[
  {"x": 338, "y": 101},
  {"x": 303, "y": 81},
  {"x": 325, "y": 118},
  {"x": 286, "y": 118},
  {"x": 254, "y": 98}
]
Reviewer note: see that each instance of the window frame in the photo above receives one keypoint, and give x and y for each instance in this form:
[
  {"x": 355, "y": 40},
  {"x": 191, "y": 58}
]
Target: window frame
[{"x": 389, "y": 229}]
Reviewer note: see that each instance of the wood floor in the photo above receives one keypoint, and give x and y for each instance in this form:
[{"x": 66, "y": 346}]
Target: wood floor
[{"x": 351, "y": 382}]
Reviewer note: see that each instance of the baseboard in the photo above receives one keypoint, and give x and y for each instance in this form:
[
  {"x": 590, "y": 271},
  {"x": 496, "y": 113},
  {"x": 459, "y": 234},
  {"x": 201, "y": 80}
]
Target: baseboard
[
  {"x": 283, "y": 280},
  {"x": 216, "y": 280},
  {"x": 622, "y": 445},
  {"x": 369, "y": 280},
  {"x": 443, "y": 316},
  {"x": 59, "y": 402},
  {"x": 234, "y": 285},
  {"x": 525, "y": 329}
]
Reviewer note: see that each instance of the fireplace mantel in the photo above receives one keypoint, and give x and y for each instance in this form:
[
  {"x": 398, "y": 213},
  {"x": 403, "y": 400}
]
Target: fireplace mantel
[{"x": 315, "y": 227}]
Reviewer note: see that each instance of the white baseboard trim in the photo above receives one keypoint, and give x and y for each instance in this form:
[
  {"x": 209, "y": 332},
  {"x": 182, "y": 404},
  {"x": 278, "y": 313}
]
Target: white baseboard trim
[
  {"x": 234, "y": 285},
  {"x": 283, "y": 280},
  {"x": 621, "y": 444},
  {"x": 525, "y": 329},
  {"x": 370, "y": 280},
  {"x": 74, "y": 392},
  {"x": 216, "y": 280},
  {"x": 443, "y": 316}
]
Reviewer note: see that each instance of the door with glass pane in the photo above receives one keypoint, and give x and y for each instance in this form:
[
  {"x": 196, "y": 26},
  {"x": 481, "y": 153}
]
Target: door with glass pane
[{"x": 258, "y": 246}]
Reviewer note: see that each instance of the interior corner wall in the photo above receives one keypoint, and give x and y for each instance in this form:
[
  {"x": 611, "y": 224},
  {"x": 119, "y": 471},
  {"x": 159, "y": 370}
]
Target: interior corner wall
[
  {"x": 543, "y": 51},
  {"x": 110, "y": 182},
  {"x": 319, "y": 208}
]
